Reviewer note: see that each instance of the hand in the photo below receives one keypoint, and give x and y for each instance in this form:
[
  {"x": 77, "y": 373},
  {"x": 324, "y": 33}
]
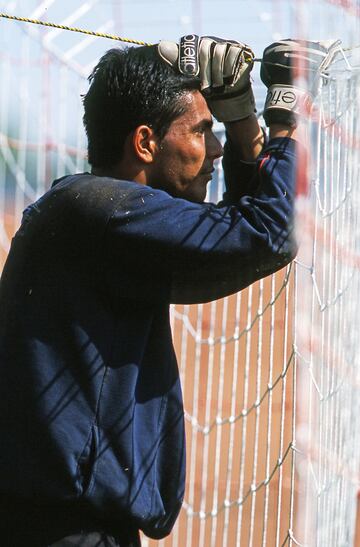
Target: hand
[
  {"x": 282, "y": 61},
  {"x": 223, "y": 67}
]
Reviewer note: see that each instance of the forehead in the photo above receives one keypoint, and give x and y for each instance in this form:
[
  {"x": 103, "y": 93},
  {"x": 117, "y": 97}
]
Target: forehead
[{"x": 196, "y": 109}]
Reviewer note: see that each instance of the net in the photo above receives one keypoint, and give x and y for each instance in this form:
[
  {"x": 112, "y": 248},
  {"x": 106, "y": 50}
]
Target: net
[
  {"x": 237, "y": 364},
  {"x": 326, "y": 310},
  {"x": 270, "y": 374}
]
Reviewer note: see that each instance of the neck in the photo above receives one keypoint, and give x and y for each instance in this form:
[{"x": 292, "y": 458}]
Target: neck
[
  {"x": 110, "y": 172},
  {"x": 118, "y": 172}
]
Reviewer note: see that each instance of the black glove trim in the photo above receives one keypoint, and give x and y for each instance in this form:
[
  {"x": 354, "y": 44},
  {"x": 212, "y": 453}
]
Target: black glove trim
[
  {"x": 189, "y": 55},
  {"x": 219, "y": 96},
  {"x": 282, "y": 117}
]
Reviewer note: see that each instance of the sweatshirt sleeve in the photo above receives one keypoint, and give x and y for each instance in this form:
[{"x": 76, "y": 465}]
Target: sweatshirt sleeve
[
  {"x": 157, "y": 246},
  {"x": 239, "y": 175}
]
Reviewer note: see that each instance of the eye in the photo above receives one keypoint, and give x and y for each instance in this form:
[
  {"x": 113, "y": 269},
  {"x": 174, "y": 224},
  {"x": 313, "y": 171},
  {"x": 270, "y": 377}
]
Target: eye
[{"x": 203, "y": 128}]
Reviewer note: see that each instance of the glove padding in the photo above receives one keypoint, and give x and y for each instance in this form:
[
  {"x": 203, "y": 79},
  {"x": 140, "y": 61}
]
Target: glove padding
[
  {"x": 223, "y": 67},
  {"x": 281, "y": 62}
]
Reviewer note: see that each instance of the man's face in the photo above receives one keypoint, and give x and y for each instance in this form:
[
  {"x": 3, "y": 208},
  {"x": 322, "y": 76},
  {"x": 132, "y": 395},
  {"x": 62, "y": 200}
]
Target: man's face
[{"x": 183, "y": 164}]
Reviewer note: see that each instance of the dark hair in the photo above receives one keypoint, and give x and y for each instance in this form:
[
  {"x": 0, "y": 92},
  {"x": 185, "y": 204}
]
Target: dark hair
[{"x": 130, "y": 87}]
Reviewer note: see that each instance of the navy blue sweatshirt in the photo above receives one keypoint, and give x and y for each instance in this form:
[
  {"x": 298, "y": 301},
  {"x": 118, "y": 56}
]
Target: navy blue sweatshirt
[{"x": 90, "y": 400}]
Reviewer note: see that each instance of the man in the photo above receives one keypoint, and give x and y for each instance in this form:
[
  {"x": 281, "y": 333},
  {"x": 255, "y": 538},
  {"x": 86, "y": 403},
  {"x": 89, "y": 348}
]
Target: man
[{"x": 91, "y": 415}]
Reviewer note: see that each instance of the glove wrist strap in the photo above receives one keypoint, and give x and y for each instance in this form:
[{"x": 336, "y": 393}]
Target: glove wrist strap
[
  {"x": 289, "y": 98},
  {"x": 234, "y": 109}
]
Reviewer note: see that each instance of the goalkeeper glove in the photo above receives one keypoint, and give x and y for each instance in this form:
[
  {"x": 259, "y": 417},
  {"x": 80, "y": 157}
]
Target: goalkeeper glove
[
  {"x": 223, "y": 67},
  {"x": 281, "y": 61}
]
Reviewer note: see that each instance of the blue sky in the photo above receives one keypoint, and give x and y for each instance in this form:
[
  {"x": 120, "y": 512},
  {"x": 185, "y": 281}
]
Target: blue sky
[
  {"x": 43, "y": 71},
  {"x": 256, "y": 22}
]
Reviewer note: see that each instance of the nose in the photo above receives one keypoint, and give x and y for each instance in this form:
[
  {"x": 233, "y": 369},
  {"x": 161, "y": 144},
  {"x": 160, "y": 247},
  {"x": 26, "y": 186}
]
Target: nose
[{"x": 214, "y": 147}]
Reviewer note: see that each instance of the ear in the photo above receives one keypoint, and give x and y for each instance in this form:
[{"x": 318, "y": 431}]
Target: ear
[{"x": 145, "y": 143}]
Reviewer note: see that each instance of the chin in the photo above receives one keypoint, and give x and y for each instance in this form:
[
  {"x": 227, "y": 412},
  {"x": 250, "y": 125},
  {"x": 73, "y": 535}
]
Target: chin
[
  {"x": 196, "y": 199},
  {"x": 194, "y": 194},
  {"x": 198, "y": 196}
]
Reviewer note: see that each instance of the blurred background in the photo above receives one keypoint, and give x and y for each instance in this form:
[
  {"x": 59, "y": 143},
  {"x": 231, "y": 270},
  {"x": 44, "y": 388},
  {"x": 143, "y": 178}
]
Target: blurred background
[{"x": 248, "y": 482}]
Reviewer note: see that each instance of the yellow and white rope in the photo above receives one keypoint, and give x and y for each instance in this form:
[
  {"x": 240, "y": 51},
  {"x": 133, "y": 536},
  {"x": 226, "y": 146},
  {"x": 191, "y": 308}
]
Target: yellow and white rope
[
  {"x": 98, "y": 34},
  {"x": 73, "y": 29}
]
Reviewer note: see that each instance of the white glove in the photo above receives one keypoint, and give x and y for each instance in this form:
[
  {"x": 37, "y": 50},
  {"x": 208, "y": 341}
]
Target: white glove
[
  {"x": 280, "y": 63},
  {"x": 223, "y": 67}
]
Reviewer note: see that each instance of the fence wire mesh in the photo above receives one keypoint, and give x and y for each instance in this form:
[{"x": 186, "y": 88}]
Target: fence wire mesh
[
  {"x": 270, "y": 375},
  {"x": 327, "y": 295}
]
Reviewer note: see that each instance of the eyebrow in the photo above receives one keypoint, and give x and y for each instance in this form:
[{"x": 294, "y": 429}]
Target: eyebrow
[{"x": 204, "y": 124}]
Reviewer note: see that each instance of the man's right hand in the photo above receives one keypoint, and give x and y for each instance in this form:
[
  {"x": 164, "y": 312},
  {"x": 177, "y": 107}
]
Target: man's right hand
[
  {"x": 223, "y": 67},
  {"x": 282, "y": 62}
]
